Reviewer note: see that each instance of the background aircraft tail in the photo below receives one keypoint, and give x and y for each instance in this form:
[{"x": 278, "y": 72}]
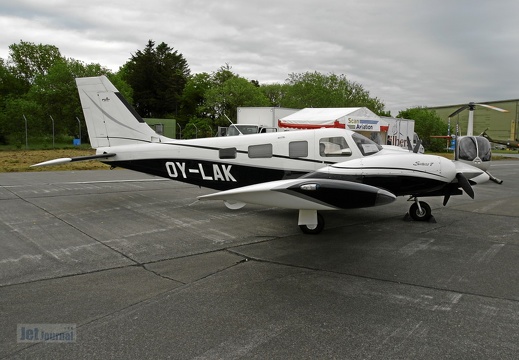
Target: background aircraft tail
[{"x": 110, "y": 119}]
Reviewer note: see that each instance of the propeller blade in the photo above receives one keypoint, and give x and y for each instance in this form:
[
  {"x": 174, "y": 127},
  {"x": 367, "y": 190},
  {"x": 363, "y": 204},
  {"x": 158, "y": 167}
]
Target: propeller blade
[
  {"x": 471, "y": 106},
  {"x": 417, "y": 146},
  {"x": 409, "y": 146},
  {"x": 492, "y": 107},
  {"x": 446, "y": 199},
  {"x": 459, "y": 110},
  {"x": 465, "y": 185}
]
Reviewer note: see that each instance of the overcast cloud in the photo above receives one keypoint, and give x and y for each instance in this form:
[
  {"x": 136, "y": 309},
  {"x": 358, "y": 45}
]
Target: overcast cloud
[{"x": 406, "y": 53}]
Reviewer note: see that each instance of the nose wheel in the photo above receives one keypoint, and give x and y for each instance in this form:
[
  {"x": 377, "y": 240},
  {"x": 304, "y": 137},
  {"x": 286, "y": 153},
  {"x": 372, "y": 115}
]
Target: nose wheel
[{"x": 420, "y": 211}]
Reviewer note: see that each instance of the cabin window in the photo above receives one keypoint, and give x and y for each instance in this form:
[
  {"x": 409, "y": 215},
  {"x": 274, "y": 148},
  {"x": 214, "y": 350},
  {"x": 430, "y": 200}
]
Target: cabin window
[
  {"x": 334, "y": 146},
  {"x": 298, "y": 149},
  {"x": 228, "y": 153},
  {"x": 260, "y": 151}
]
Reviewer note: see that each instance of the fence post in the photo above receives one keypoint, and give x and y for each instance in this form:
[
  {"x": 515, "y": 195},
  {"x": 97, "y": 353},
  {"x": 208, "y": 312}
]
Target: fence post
[
  {"x": 52, "y": 131},
  {"x": 26, "y": 133},
  {"x": 79, "y": 122}
]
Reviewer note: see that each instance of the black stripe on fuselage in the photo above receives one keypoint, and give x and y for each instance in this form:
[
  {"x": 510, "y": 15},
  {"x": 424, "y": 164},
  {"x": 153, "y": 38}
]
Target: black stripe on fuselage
[
  {"x": 209, "y": 174},
  {"x": 397, "y": 184}
]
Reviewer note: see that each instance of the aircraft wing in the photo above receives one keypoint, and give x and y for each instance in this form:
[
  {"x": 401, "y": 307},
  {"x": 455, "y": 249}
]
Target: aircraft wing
[{"x": 308, "y": 194}]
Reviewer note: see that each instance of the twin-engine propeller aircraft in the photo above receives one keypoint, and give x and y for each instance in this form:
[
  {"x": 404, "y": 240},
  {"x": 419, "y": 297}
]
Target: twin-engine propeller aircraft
[{"x": 307, "y": 170}]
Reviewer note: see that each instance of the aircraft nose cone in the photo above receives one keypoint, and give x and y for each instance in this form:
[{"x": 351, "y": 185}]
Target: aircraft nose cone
[{"x": 384, "y": 197}]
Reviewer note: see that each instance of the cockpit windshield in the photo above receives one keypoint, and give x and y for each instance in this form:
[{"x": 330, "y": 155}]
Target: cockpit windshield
[
  {"x": 365, "y": 145},
  {"x": 471, "y": 147}
]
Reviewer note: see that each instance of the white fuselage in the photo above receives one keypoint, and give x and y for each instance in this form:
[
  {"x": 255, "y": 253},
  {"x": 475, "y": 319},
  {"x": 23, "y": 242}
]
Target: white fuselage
[{"x": 229, "y": 162}]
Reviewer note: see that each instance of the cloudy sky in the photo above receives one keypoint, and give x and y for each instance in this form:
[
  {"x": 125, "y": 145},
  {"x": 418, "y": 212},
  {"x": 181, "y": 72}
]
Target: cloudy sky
[{"x": 406, "y": 53}]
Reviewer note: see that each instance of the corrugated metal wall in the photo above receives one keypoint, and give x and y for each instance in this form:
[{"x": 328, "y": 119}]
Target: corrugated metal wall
[{"x": 500, "y": 125}]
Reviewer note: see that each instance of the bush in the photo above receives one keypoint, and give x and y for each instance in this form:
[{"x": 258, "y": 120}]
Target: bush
[{"x": 427, "y": 124}]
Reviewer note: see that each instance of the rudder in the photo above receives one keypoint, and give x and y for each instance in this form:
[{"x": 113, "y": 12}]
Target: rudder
[{"x": 110, "y": 119}]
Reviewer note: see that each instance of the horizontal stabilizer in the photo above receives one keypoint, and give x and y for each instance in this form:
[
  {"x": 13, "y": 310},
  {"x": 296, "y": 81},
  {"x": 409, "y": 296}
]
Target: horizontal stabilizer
[{"x": 61, "y": 161}]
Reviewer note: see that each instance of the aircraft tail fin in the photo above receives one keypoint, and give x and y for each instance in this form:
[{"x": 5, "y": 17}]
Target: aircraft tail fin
[{"x": 110, "y": 119}]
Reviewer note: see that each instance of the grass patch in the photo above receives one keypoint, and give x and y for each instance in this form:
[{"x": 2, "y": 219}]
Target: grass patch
[
  {"x": 21, "y": 160},
  {"x": 499, "y": 151}
]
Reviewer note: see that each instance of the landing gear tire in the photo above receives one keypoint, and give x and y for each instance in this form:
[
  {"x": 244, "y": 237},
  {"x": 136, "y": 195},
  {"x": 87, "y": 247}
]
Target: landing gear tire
[
  {"x": 423, "y": 215},
  {"x": 316, "y": 229},
  {"x": 233, "y": 205}
]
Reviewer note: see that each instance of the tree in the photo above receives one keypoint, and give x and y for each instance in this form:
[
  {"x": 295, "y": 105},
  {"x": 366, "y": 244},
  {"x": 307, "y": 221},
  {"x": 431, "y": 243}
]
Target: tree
[
  {"x": 194, "y": 96},
  {"x": 223, "y": 74},
  {"x": 37, "y": 82},
  {"x": 30, "y": 60},
  {"x": 318, "y": 90},
  {"x": 198, "y": 128},
  {"x": 10, "y": 84},
  {"x": 216, "y": 96},
  {"x": 158, "y": 77},
  {"x": 427, "y": 124},
  {"x": 13, "y": 122},
  {"x": 56, "y": 93},
  {"x": 11, "y": 87},
  {"x": 224, "y": 99},
  {"x": 275, "y": 93}
]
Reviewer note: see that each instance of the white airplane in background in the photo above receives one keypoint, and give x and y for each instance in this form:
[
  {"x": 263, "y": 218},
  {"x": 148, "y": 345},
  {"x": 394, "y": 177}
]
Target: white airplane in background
[{"x": 307, "y": 170}]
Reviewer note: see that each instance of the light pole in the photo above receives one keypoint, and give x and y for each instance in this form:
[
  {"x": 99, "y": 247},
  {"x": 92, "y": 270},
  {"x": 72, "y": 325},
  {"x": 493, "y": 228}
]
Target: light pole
[{"x": 180, "y": 133}]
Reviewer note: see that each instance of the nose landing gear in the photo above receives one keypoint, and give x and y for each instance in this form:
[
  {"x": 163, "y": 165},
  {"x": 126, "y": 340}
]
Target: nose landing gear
[{"x": 420, "y": 211}]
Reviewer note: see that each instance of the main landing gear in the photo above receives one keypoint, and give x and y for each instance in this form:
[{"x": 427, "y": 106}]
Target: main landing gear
[
  {"x": 314, "y": 229},
  {"x": 311, "y": 222},
  {"x": 420, "y": 211},
  {"x": 233, "y": 205}
]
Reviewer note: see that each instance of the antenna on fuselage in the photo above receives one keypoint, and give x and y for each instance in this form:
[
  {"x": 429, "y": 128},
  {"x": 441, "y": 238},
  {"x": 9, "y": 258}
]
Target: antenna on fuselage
[{"x": 233, "y": 124}]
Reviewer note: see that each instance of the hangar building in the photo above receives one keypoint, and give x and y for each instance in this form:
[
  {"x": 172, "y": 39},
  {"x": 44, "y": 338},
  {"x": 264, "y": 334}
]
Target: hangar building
[{"x": 501, "y": 126}]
